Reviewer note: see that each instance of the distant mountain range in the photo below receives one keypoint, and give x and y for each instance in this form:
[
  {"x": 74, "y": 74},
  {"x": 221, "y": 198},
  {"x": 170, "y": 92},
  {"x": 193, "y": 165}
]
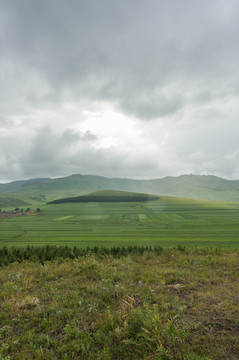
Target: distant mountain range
[{"x": 39, "y": 191}]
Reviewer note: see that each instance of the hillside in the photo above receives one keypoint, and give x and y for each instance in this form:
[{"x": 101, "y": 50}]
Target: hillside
[
  {"x": 16, "y": 185},
  {"x": 42, "y": 191},
  {"x": 107, "y": 196}
]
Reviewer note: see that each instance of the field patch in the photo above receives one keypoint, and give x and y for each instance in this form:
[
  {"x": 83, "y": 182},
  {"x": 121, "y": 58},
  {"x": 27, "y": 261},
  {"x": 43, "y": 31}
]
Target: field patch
[
  {"x": 142, "y": 217},
  {"x": 93, "y": 217},
  {"x": 64, "y": 217}
]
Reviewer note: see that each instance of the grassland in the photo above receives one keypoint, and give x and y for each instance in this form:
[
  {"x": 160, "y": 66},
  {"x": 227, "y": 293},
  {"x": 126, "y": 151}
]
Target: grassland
[
  {"x": 175, "y": 304},
  {"x": 178, "y": 305},
  {"x": 166, "y": 222},
  {"x": 108, "y": 196}
]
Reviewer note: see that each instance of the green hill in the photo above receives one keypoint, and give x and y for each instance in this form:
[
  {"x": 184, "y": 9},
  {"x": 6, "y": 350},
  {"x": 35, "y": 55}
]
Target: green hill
[
  {"x": 108, "y": 196},
  {"x": 17, "y": 185},
  {"x": 41, "y": 191}
]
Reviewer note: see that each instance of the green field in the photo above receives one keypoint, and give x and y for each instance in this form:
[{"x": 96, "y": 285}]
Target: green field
[{"x": 166, "y": 222}]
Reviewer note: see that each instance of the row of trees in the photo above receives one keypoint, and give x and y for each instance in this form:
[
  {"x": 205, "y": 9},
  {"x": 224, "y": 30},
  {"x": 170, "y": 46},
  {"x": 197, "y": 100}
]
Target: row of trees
[
  {"x": 18, "y": 210},
  {"x": 47, "y": 253}
]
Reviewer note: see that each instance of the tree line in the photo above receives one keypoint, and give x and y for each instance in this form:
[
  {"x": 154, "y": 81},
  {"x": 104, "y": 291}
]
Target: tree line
[{"x": 41, "y": 254}]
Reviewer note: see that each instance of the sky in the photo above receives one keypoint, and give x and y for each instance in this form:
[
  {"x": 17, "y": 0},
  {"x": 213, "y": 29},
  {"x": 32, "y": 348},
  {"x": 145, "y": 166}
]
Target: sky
[{"x": 119, "y": 88}]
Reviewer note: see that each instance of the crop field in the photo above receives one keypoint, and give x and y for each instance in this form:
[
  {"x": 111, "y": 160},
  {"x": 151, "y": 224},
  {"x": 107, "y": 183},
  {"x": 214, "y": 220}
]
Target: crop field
[{"x": 166, "y": 222}]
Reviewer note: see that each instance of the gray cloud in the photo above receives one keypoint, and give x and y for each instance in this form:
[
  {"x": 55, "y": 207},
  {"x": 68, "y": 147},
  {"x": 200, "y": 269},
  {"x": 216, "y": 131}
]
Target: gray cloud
[
  {"x": 133, "y": 53},
  {"x": 170, "y": 63},
  {"x": 50, "y": 151},
  {"x": 5, "y": 122},
  {"x": 69, "y": 152},
  {"x": 42, "y": 153}
]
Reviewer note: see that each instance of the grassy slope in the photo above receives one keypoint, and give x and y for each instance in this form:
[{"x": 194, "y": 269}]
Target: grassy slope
[
  {"x": 107, "y": 196},
  {"x": 190, "y": 186},
  {"x": 164, "y": 307},
  {"x": 16, "y": 185},
  {"x": 166, "y": 222}
]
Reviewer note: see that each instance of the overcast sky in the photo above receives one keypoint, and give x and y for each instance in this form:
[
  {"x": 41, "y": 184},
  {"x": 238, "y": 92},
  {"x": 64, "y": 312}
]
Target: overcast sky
[{"x": 119, "y": 88}]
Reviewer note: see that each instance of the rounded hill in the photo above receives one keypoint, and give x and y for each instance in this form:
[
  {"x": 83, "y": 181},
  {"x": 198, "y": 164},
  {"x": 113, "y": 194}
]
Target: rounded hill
[{"x": 108, "y": 196}]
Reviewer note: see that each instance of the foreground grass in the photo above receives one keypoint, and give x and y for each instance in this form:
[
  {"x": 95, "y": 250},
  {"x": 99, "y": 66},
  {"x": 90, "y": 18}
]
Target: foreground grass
[{"x": 181, "y": 305}]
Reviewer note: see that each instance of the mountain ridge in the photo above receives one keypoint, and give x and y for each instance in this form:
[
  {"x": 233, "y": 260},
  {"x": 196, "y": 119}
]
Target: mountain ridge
[{"x": 42, "y": 190}]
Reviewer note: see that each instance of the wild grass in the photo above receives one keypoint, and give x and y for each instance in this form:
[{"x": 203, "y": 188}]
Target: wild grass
[{"x": 180, "y": 304}]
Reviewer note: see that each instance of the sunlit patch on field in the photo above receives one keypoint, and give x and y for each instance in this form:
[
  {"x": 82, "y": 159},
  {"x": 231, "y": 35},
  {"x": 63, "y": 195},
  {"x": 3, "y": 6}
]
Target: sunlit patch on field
[
  {"x": 142, "y": 217},
  {"x": 63, "y": 218},
  {"x": 92, "y": 217}
]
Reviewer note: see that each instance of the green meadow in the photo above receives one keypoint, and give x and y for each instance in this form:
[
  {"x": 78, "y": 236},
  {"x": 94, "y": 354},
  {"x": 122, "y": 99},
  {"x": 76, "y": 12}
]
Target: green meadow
[
  {"x": 175, "y": 305},
  {"x": 166, "y": 222}
]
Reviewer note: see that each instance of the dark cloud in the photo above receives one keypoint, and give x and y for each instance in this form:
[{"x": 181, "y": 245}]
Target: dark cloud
[{"x": 133, "y": 53}]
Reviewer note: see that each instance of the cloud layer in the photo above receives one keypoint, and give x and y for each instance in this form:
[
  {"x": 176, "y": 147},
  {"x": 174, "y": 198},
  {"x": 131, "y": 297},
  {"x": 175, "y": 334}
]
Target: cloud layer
[{"x": 127, "y": 88}]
